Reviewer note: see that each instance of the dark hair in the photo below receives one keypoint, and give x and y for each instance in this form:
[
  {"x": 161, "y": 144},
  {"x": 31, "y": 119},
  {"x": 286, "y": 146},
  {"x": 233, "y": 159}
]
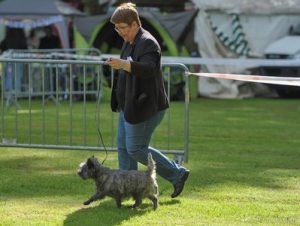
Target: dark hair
[
  {"x": 126, "y": 13},
  {"x": 14, "y": 39}
]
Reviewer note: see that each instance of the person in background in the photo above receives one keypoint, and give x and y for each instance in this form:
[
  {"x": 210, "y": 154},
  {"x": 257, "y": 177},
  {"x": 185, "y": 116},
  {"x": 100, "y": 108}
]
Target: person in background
[
  {"x": 138, "y": 94},
  {"x": 14, "y": 39},
  {"x": 50, "y": 40},
  {"x": 35, "y": 72},
  {"x": 32, "y": 40}
]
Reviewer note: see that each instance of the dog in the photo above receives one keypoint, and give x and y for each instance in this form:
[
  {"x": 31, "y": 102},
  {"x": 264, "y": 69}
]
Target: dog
[{"x": 120, "y": 184}]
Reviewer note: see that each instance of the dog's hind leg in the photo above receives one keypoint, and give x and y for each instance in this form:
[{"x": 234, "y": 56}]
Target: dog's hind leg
[
  {"x": 138, "y": 200},
  {"x": 154, "y": 200}
]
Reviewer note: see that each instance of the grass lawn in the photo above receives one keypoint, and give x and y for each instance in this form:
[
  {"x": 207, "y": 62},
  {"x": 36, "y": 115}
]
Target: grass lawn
[{"x": 245, "y": 170}]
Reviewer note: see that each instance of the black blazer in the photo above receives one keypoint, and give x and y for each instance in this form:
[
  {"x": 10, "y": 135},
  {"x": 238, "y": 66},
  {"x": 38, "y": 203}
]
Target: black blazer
[{"x": 144, "y": 92}]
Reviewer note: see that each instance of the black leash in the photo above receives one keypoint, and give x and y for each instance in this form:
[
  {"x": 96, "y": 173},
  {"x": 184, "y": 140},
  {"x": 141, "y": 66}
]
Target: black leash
[
  {"x": 101, "y": 138},
  {"x": 98, "y": 128}
]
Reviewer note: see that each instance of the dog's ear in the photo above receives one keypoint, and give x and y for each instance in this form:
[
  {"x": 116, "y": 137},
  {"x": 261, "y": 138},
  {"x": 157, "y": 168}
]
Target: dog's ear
[{"x": 90, "y": 163}]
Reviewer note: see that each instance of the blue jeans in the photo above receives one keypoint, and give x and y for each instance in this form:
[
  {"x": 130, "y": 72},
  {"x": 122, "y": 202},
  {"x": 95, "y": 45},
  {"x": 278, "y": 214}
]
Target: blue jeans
[
  {"x": 133, "y": 147},
  {"x": 13, "y": 76}
]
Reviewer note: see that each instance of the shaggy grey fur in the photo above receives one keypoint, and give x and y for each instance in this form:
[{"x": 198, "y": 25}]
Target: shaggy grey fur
[{"x": 120, "y": 184}]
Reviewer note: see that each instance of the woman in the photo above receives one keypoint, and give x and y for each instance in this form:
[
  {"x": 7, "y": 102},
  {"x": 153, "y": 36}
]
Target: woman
[{"x": 139, "y": 95}]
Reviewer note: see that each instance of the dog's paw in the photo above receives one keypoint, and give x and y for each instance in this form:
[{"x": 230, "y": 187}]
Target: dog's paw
[
  {"x": 86, "y": 203},
  {"x": 132, "y": 207}
]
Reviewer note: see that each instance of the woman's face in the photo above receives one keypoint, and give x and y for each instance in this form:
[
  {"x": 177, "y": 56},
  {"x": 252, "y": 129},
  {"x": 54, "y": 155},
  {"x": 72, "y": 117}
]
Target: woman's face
[{"x": 126, "y": 31}]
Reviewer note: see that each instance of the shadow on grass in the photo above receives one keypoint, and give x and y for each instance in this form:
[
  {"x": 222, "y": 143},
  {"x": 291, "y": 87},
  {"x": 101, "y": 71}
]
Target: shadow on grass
[{"x": 107, "y": 214}]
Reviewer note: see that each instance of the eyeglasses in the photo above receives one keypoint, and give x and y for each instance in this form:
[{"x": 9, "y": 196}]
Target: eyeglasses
[{"x": 121, "y": 29}]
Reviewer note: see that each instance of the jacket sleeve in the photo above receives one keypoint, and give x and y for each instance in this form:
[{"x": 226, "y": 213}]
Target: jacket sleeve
[{"x": 148, "y": 60}]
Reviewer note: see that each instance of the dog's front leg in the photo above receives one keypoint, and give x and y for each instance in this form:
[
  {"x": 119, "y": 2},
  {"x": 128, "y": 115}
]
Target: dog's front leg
[
  {"x": 96, "y": 196},
  {"x": 118, "y": 199}
]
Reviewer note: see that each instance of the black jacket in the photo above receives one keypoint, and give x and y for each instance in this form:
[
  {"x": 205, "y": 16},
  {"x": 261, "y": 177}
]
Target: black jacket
[{"x": 144, "y": 87}]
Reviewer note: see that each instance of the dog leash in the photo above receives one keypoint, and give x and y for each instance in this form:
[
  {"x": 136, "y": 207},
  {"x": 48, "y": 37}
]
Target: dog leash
[
  {"x": 101, "y": 138},
  {"x": 99, "y": 132}
]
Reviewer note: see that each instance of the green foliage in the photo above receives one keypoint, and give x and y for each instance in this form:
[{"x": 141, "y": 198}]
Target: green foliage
[{"x": 244, "y": 162}]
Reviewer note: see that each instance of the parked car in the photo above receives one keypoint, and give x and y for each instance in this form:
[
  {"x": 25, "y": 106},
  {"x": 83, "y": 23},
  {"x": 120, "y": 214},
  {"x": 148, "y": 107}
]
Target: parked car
[{"x": 287, "y": 47}]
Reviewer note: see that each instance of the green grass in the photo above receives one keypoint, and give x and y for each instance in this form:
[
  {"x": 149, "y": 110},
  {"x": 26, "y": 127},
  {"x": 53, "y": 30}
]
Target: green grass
[{"x": 244, "y": 162}]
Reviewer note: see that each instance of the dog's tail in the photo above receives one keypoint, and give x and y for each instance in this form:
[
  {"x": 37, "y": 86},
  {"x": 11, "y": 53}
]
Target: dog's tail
[{"x": 151, "y": 167}]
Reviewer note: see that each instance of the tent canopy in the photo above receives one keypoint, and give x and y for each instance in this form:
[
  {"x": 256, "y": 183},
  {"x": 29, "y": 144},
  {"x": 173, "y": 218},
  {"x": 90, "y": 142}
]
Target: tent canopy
[
  {"x": 37, "y": 8},
  {"x": 37, "y": 13},
  {"x": 176, "y": 24}
]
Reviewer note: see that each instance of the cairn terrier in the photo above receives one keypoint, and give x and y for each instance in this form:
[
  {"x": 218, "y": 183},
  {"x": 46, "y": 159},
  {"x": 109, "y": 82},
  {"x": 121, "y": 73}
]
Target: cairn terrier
[{"x": 120, "y": 184}]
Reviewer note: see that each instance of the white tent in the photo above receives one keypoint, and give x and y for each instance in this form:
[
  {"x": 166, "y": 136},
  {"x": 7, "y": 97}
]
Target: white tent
[{"x": 240, "y": 29}]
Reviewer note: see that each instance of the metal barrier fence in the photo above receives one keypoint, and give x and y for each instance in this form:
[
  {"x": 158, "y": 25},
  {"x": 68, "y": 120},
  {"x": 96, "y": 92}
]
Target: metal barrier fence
[{"x": 79, "y": 107}]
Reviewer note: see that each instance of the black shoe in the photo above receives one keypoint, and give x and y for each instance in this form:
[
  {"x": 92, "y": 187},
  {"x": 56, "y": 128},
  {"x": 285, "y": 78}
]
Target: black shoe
[{"x": 180, "y": 185}]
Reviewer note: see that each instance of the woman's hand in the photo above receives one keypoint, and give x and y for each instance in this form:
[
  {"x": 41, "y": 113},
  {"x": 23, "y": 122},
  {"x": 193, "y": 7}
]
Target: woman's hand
[{"x": 119, "y": 64}]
